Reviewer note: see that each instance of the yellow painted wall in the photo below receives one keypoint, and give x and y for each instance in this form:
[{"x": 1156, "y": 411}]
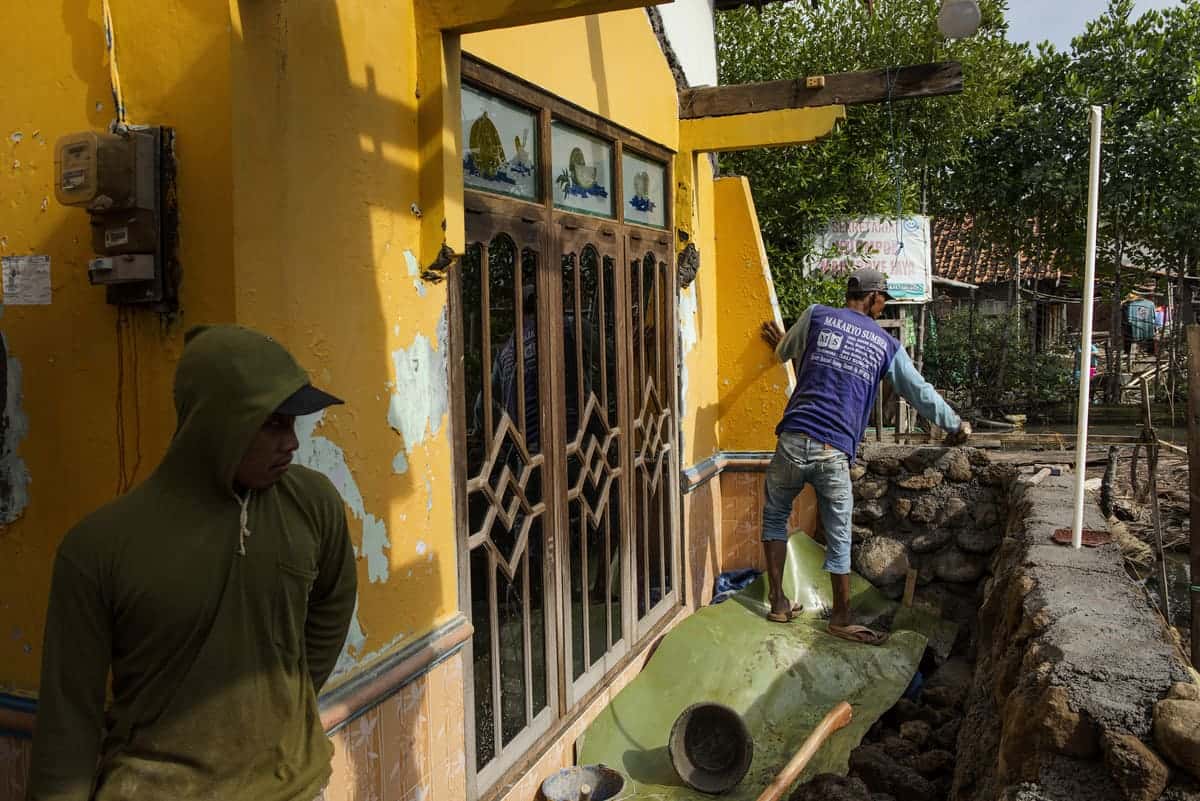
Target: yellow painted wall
[
  {"x": 610, "y": 64},
  {"x": 698, "y": 324},
  {"x": 305, "y": 155},
  {"x": 297, "y": 139},
  {"x": 753, "y": 384},
  {"x": 175, "y": 67},
  {"x": 328, "y": 254}
]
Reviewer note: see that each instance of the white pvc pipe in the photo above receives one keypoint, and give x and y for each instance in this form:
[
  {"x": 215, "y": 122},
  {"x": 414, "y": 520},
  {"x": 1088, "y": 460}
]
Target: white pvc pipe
[{"x": 1085, "y": 346}]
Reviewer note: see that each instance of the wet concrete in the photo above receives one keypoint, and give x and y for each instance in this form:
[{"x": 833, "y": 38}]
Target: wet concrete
[
  {"x": 1070, "y": 652},
  {"x": 1116, "y": 659}
]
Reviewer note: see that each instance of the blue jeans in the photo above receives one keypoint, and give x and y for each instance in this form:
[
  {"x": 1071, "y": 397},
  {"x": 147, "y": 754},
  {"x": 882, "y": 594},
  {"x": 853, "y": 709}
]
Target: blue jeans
[{"x": 798, "y": 461}]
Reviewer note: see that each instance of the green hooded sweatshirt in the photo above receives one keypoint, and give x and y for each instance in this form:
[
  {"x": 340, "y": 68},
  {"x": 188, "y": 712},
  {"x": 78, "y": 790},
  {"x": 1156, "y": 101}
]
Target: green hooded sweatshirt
[{"x": 216, "y": 656}]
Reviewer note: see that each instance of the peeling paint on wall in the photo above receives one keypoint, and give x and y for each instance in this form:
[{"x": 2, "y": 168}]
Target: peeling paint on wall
[
  {"x": 414, "y": 272},
  {"x": 688, "y": 333},
  {"x": 348, "y": 663},
  {"x": 355, "y": 640},
  {"x": 400, "y": 464},
  {"x": 688, "y": 337},
  {"x": 322, "y": 455},
  {"x": 14, "y": 475},
  {"x": 419, "y": 394}
]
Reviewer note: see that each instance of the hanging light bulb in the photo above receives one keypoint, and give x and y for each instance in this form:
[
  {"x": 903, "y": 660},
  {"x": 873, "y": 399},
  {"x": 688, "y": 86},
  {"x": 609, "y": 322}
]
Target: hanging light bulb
[{"x": 959, "y": 18}]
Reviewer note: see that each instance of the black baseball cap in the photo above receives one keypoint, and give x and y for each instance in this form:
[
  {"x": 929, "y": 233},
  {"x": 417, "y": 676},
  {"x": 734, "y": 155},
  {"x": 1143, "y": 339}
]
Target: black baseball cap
[
  {"x": 865, "y": 279},
  {"x": 307, "y": 400}
]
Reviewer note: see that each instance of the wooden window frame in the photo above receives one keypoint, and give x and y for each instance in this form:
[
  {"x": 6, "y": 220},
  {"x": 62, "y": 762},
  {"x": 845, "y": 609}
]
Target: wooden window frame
[{"x": 567, "y": 697}]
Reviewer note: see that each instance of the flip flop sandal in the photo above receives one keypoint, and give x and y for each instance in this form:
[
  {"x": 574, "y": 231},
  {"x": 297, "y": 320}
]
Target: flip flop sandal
[
  {"x": 785, "y": 617},
  {"x": 859, "y": 634}
]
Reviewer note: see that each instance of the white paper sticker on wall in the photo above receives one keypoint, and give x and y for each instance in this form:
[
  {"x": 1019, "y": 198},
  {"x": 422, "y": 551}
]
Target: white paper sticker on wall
[{"x": 26, "y": 280}]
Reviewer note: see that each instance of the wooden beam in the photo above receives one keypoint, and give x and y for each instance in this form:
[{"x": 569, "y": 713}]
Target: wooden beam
[
  {"x": 840, "y": 89},
  {"x": 792, "y": 126}
]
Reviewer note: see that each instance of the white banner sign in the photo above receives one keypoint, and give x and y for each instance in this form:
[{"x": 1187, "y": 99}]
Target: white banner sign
[{"x": 901, "y": 251}]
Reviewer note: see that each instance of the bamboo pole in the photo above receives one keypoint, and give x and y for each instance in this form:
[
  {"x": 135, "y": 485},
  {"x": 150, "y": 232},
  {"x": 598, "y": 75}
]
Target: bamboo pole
[
  {"x": 1152, "y": 464},
  {"x": 1085, "y": 348},
  {"x": 1193, "y": 421}
]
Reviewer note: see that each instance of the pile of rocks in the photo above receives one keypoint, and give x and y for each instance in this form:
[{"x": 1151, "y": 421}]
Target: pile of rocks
[
  {"x": 1177, "y": 732},
  {"x": 940, "y": 511},
  {"x": 909, "y": 754}
]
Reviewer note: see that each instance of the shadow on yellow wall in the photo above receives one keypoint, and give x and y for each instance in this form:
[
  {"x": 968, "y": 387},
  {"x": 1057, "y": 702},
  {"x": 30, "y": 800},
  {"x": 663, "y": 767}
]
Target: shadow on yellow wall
[{"x": 95, "y": 383}]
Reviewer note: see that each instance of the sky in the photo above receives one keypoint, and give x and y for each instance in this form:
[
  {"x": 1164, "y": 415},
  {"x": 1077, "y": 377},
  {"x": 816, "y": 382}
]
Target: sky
[{"x": 1060, "y": 20}]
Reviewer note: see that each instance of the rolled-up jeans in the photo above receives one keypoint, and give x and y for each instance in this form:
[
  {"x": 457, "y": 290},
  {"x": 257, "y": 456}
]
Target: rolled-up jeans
[{"x": 801, "y": 460}]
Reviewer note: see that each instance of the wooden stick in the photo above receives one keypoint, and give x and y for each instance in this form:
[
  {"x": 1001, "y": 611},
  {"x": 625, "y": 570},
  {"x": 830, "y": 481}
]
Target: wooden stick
[
  {"x": 1172, "y": 447},
  {"x": 837, "y": 718},
  {"x": 1193, "y": 423},
  {"x": 1158, "y": 533},
  {"x": 1152, "y": 486},
  {"x": 910, "y": 587},
  {"x": 1039, "y": 476}
]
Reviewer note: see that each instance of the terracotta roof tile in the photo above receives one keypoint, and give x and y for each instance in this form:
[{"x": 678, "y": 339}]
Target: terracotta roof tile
[{"x": 954, "y": 258}]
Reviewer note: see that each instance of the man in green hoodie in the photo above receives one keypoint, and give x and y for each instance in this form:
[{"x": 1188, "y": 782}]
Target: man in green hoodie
[{"x": 218, "y": 593}]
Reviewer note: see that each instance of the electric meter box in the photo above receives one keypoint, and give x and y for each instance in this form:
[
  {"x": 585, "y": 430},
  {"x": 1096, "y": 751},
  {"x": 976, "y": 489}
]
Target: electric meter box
[
  {"x": 125, "y": 182},
  {"x": 99, "y": 170}
]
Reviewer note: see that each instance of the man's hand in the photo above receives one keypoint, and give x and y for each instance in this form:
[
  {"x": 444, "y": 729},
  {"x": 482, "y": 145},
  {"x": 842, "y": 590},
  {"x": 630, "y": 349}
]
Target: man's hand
[
  {"x": 772, "y": 333},
  {"x": 959, "y": 437}
]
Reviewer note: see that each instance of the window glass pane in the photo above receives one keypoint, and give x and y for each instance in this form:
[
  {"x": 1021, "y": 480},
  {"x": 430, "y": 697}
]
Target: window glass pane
[
  {"x": 481, "y": 620},
  {"x": 642, "y": 182},
  {"x": 511, "y": 611},
  {"x": 582, "y": 171},
  {"x": 499, "y": 145},
  {"x": 613, "y": 523}
]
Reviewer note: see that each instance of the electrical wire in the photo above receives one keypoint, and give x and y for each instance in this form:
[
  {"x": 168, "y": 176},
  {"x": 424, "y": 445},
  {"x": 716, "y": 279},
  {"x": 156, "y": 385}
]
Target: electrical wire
[
  {"x": 114, "y": 74},
  {"x": 127, "y": 342}
]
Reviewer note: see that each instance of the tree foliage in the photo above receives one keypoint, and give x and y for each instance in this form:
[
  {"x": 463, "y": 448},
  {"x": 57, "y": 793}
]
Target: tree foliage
[
  {"x": 1026, "y": 187},
  {"x": 885, "y": 156},
  {"x": 957, "y": 345},
  {"x": 1010, "y": 152}
]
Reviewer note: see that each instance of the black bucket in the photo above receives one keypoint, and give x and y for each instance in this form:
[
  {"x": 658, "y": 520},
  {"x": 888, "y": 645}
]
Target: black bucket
[{"x": 710, "y": 748}]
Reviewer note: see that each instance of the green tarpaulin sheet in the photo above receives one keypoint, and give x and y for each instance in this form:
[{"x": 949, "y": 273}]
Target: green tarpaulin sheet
[{"x": 781, "y": 677}]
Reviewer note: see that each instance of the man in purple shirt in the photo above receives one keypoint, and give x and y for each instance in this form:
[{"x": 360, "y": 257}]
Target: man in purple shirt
[{"x": 840, "y": 356}]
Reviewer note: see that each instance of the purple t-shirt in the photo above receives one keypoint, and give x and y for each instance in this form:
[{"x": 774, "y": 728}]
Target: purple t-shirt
[{"x": 846, "y": 355}]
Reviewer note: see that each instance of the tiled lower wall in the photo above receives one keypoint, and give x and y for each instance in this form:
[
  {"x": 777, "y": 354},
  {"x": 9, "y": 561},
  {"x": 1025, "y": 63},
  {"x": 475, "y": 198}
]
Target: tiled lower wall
[
  {"x": 702, "y": 541},
  {"x": 14, "y": 768},
  {"x": 741, "y": 518},
  {"x": 409, "y": 748}
]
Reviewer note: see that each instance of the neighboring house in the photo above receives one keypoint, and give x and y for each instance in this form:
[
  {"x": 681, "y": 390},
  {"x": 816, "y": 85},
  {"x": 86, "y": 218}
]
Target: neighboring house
[
  {"x": 394, "y": 189},
  {"x": 965, "y": 272}
]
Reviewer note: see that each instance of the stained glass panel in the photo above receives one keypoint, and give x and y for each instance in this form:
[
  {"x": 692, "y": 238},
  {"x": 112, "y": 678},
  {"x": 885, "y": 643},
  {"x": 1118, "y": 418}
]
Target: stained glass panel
[
  {"x": 642, "y": 185},
  {"x": 582, "y": 171},
  {"x": 499, "y": 145}
]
